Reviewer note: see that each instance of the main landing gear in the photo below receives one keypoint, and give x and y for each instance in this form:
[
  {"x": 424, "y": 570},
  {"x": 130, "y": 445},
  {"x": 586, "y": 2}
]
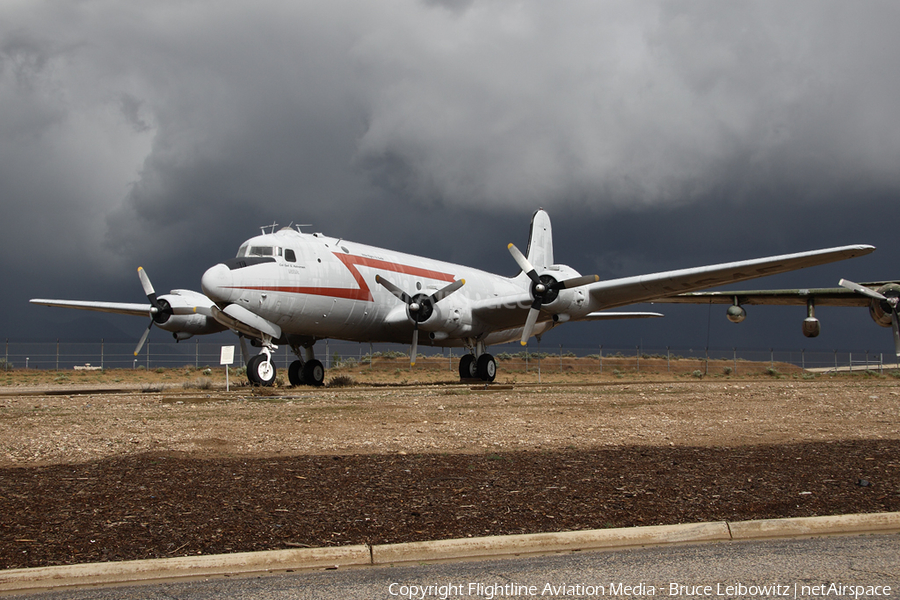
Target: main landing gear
[
  {"x": 484, "y": 367},
  {"x": 310, "y": 372},
  {"x": 306, "y": 370},
  {"x": 478, "y": 365}
]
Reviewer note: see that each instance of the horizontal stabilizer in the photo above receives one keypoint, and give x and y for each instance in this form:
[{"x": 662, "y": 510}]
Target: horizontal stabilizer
[{"x": 609, "y": 315}]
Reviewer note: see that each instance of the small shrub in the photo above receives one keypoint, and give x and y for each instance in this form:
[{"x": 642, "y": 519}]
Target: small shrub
[
  {"x": 698, "y": 374},
  {"x": 201, "y": 383},
  {"x": 341, "y": 381}
]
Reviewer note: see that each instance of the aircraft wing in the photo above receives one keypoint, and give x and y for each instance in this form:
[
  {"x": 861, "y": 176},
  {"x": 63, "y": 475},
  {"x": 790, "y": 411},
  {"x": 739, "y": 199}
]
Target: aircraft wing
[
  {"x": 821, "y": 296},
  {"x": 838, "y": 296},
  {"x": 123, "y": 308},
  {"x": 656, "y": 286}
]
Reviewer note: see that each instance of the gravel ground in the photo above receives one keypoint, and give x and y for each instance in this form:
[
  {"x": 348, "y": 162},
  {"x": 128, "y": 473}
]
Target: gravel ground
[{"x": 91, "y": 475}]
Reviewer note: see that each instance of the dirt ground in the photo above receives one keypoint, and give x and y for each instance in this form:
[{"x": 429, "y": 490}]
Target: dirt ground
[{"x": 128, "y": 465}]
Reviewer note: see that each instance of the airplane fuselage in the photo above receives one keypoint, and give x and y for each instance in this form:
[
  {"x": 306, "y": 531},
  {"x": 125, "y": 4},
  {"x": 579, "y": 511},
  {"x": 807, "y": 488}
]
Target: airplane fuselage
[{"x": 322, "y": 287}]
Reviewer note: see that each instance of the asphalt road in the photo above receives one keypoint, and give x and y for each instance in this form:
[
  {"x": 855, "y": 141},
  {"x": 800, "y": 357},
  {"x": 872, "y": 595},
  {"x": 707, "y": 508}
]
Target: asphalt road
[{"x": 829, "y": 567}]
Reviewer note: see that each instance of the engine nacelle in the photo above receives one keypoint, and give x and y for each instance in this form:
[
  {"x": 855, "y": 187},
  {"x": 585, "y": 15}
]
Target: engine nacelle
[
  {"x": 736, "y": 313},
  {"x": 879, "y": 310},
  {"x": 428, "y": 314},
  {"x": 811, "y": 327},
  {"x": 184, "y": 326}
]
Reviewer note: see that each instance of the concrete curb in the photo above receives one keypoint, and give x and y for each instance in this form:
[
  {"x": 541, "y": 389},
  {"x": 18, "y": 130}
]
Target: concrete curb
[
  {"x": 136, "y": 571},
  {"x": 510, "y": 545}
]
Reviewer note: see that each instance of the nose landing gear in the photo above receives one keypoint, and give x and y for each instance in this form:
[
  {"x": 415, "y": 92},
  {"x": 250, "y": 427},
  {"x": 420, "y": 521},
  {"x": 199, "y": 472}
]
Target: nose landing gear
[{"x": 260, "y": 370}]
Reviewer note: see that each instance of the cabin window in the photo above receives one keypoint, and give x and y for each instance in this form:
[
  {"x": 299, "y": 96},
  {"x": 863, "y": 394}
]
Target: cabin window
[{"x": 289, "y": 255}]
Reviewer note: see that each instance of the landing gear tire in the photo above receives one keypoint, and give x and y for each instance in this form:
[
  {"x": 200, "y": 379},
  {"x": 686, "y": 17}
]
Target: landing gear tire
[
  {"x": 313, "y": 373},
  {"x": 486, "y": 368},
  {"x": 467, "y": 367},
  {"x": 261, "y": 371},
  {"x": 295, "y": 373}
]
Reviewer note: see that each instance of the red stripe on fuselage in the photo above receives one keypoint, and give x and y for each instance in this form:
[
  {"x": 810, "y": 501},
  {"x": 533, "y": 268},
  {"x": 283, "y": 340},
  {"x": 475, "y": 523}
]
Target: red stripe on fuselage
[{"x": 363, "y": 292}]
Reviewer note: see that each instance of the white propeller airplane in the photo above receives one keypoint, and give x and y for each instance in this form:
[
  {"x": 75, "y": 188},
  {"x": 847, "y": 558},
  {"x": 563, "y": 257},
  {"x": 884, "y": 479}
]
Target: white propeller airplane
[{"x": 289, "y": 287}]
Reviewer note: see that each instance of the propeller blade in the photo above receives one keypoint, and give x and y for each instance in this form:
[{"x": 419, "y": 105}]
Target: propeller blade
[
  {"x": 576, "y": 282},
  {"x": 895, "y": 324},
  {"x": 148, "y": 287},
  {"x": 861, "y": 289},
  {"x": 393, "y": 289},
  {"x": 143, "y": 338},
  {"x": 447, "y": 290},
  {"x": 530, "y": 321},
  {"x": 415, "y": 346},
  {"x": 523, "y": 263}
]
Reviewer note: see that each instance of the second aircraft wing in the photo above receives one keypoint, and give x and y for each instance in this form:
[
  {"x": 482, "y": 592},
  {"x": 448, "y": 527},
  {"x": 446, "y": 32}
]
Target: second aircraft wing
[{"x": 656, "y": 286}]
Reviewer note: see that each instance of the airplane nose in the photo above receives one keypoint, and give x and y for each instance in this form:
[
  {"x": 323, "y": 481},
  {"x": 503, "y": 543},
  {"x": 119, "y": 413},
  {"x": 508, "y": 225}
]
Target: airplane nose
[{"x": 217, "y": 284}]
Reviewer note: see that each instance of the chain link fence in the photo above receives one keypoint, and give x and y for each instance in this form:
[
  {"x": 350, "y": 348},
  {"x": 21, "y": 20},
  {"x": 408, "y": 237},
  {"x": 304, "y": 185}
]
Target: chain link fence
[{"x": 201, "y": 354}]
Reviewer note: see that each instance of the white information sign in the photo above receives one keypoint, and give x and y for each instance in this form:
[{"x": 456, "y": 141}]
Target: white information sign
[{"x": 227, "y": 357}]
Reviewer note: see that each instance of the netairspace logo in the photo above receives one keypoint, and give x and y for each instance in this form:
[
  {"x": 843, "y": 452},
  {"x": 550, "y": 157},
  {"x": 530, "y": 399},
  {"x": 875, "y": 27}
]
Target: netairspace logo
[{"x": 490, "y": 591}]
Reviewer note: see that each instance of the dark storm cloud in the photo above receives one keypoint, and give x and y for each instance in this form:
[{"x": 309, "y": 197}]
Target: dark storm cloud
[{"x": 657, "y": 134}]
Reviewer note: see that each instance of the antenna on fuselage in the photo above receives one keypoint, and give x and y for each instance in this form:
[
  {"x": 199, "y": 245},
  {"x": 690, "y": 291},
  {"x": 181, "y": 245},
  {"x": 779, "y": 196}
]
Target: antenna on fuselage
[
  {"x": 299, "y": 225},
  {"x": 273, "y": 226}
]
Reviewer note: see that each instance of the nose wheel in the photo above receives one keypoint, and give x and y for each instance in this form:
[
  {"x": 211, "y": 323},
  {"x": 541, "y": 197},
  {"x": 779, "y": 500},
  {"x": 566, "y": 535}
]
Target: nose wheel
[{"x": 261, "y": 371}]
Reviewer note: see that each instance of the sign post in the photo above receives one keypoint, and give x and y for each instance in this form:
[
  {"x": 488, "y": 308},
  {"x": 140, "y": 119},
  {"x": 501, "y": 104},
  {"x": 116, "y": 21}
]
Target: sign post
[{"x": 227, "y": 358}]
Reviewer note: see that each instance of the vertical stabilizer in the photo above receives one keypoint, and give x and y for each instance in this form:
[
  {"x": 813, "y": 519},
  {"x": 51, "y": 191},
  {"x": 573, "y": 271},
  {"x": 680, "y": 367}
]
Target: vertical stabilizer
[{"x": 540, "y": 241}]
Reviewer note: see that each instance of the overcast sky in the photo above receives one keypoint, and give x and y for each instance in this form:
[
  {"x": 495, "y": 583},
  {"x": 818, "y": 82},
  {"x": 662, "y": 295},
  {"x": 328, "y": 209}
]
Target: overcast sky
[{"x": 658, "y": 135}]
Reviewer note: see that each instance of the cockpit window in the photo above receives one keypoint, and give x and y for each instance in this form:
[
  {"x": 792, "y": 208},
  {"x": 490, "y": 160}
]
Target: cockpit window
[
  {"x": 261, "y": 251},
  {"x": 242, "y": 252},
  {"x": 289, "y": 255}
]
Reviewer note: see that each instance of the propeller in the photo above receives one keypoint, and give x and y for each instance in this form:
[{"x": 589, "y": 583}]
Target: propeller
[
  {"x": 544, "y": 289},
  {"x": 419, "y": 307},
  {"x": 890, "y": 301},
  {"x": 160, "y": 310}
]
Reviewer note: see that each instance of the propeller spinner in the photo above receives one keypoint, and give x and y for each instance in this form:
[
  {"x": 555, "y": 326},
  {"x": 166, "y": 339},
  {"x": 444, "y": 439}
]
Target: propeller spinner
[
  {"x": 544, "y": 288},
  {"x": 890, "y": 301},
  {"x": 419, "y": 307}
]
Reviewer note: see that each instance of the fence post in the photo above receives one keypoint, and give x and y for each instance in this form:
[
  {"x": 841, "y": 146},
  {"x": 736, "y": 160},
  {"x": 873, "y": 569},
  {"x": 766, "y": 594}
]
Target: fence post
[
  {"x": 637, "y": 351},
  {"x": 734, "y": 359},
  {"x": 560, "y": 359},
  {"x": 601, "y": 359},
  {"x": 57, "y": 354},
  {"x": 668, "y": 369},
  {"x": 102, "y": 353}
]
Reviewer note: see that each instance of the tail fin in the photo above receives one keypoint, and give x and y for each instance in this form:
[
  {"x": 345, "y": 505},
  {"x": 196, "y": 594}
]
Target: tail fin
[{"x": 540, "y": 241}]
